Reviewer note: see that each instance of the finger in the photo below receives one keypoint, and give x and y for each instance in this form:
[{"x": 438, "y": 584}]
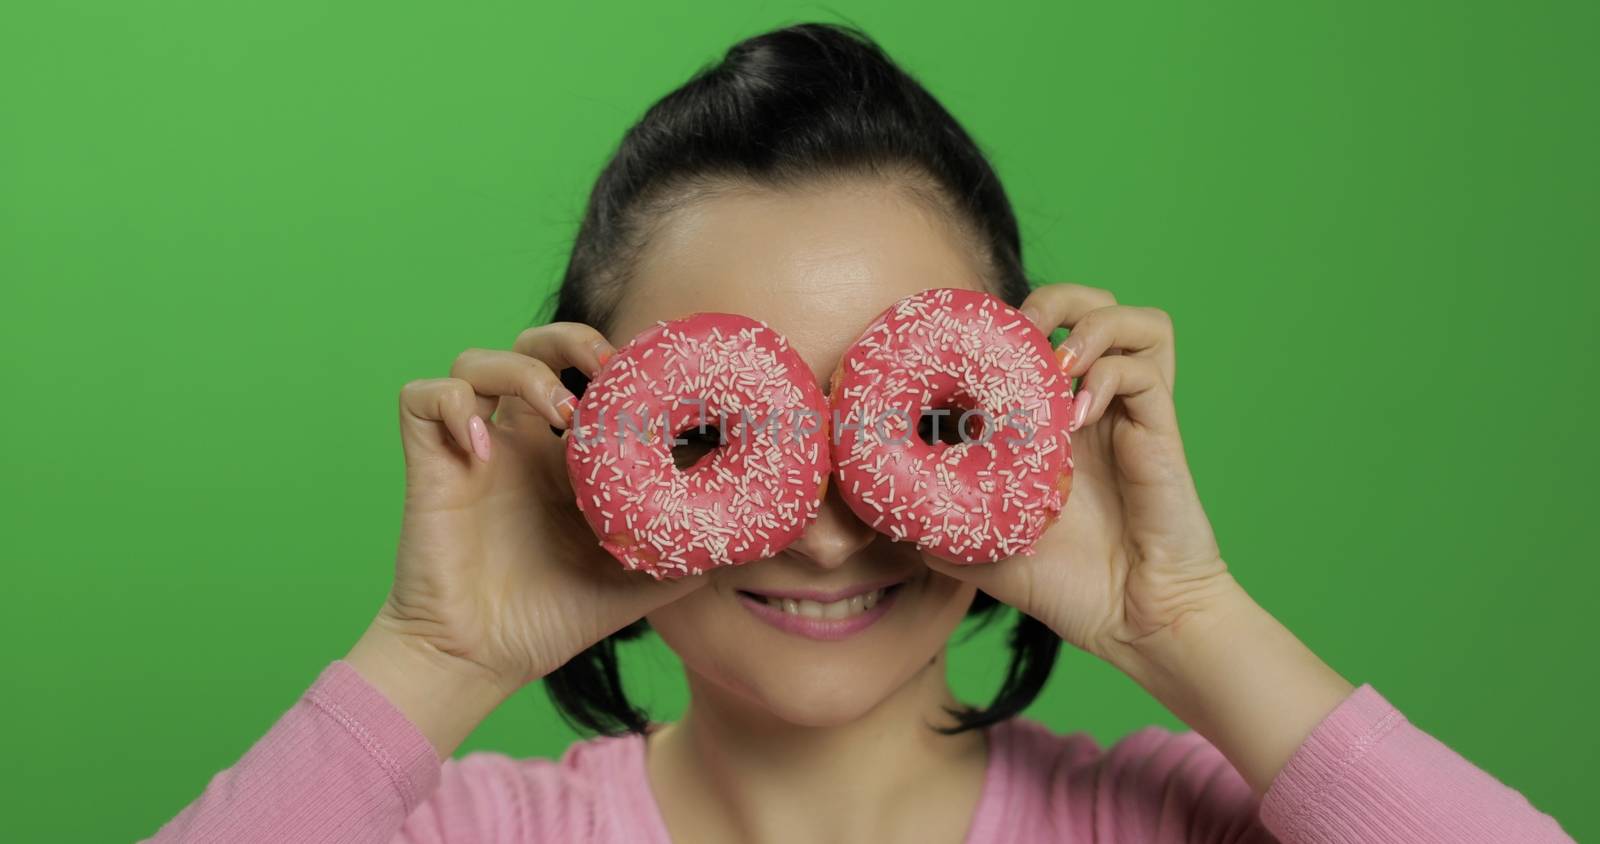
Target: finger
[
  {"x": 1135, "y": 330},
  {"x": 1052, "y": 306},
  {"x": 1135, "y": 380},
  {"x": 426, "y": 403},
  {"x": 1156, "y": 480},
  {"x": 496, "y": 372},
  {"x": 564, "y": 344},
  {"x": 568, "y": 348}
]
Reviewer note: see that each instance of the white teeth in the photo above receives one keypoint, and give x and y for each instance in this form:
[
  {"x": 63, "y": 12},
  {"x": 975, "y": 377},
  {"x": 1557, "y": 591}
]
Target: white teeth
[{"x": 845, "y": 608}]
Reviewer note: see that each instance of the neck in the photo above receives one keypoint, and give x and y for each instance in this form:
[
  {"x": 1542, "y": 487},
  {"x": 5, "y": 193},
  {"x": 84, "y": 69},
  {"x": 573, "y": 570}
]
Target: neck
[{"x": 733, "y": 771}]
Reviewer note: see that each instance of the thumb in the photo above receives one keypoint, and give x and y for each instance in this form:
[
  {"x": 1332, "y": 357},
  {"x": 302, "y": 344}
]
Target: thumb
[
  {"x": 1003, "y": 580},
  {"x": 641, "y": 593}
]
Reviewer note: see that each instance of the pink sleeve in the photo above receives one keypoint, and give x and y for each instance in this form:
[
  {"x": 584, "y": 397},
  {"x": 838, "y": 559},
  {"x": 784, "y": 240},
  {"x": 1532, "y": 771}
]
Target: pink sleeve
[
  {"x": 1367, "y": 774},
  {"x": 1166, "y": 787},
  {"x": 344, "y": 765}
]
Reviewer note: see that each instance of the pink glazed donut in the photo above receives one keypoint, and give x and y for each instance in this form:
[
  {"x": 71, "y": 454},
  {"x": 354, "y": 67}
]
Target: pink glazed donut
[
  {"x": 747, "y": 498},
  {"x": 989, "y": 496}
]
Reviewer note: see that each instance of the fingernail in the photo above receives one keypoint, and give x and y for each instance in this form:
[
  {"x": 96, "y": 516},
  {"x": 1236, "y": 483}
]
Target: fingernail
[
  {"x": 603, "y": 351},
  {"x": 1033, "y": 316},
  {"x": 1080, "y": 409},
  {"x": 565, "y": 403},
  {"x": 480, "y": 437},
  {"x": 1068, "y": 354}
]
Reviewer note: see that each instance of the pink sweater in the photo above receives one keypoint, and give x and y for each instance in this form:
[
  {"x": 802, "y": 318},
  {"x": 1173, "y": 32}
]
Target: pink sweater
[{"x": 344, "y": 765}]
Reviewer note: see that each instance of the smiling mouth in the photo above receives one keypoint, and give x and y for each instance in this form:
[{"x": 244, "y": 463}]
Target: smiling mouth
[
  {"x": 828, "y": 611},
  {"x": 804, "y": 614}
]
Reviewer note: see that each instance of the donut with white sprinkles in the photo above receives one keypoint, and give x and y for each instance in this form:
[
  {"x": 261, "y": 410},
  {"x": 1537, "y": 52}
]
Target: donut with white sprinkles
[
  {"x": 746, "y": 499},
  {"x": 988, "y": 496}
]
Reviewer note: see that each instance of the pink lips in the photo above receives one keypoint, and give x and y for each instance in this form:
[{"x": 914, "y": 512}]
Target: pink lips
[{"x": 821, "y": 629}]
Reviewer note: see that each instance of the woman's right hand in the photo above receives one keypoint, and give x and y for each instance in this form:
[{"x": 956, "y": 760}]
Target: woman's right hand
[{"x": 498, "y": 579}]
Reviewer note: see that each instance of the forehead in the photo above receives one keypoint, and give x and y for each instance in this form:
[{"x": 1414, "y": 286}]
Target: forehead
[{"x": 816, "y": 264}]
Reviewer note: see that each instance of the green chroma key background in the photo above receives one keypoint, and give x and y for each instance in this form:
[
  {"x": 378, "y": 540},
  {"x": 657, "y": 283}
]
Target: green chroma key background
[{"x": 230, "y": 232}]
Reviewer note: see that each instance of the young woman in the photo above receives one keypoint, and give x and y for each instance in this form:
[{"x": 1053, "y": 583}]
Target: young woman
[{"x": 807, "y": 182}]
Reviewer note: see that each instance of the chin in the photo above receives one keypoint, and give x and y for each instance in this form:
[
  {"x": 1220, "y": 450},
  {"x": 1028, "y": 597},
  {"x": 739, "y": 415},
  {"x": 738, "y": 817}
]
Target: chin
[{"x": 808, "y": 693}]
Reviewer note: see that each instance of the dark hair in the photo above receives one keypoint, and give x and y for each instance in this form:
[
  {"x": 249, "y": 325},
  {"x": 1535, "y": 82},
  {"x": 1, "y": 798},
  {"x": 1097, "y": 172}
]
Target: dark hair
[{"x": 799, "y": 103}]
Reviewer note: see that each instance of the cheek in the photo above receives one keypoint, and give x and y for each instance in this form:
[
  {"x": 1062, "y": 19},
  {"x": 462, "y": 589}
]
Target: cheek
[{"x": 945, "y": 606}]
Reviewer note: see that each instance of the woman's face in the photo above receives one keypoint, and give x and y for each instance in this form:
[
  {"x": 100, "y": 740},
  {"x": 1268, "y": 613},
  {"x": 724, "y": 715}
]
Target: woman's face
[{"x": 816, "y": 265}]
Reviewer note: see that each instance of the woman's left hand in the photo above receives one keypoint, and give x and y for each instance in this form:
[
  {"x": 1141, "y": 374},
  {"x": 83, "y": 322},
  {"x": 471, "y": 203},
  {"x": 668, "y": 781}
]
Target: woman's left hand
[
  {"x": 1133, "y": 551},
  {"x": 1131, "y": 571}
]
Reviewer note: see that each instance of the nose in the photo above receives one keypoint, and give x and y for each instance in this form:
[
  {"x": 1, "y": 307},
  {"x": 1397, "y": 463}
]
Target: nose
[{"x": 836, "y": 535}]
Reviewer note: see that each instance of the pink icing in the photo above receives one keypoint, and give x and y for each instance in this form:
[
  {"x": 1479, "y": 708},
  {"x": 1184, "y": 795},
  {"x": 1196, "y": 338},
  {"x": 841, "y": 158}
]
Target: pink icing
[
  {"x": 966, "y": 502},
  {"x": 746, "y": 500}
]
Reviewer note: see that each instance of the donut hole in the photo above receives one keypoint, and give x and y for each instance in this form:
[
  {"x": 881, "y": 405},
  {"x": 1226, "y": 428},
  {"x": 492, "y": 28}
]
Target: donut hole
[
  {"x": 701, "y": 442},
  {"x": 948, "y": 419}
]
